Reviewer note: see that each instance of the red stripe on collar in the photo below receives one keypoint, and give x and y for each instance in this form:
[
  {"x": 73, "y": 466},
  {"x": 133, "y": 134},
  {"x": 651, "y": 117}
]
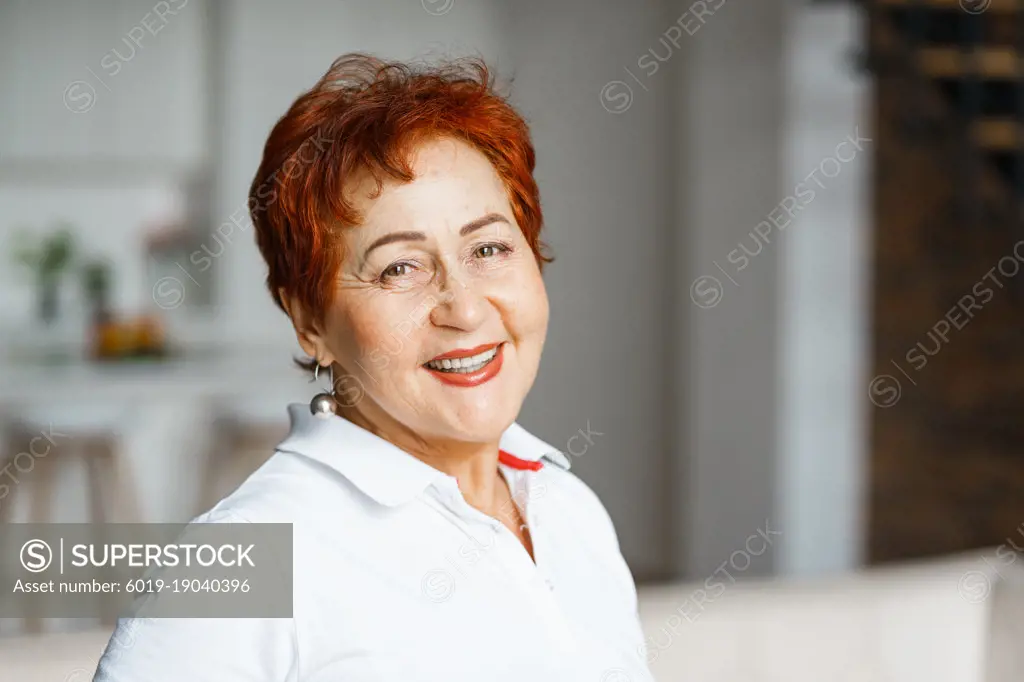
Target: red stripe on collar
[{"x": 516, "y": 463}]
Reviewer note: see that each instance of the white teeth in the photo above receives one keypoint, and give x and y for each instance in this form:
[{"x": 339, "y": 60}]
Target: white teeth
[{"x": 464, "y": 365}]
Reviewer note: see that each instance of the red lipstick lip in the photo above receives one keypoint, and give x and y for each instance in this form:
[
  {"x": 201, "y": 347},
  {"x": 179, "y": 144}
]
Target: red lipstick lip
[
  {"x": 482, "y": 375},
  {"x": 464, "y": 352}
]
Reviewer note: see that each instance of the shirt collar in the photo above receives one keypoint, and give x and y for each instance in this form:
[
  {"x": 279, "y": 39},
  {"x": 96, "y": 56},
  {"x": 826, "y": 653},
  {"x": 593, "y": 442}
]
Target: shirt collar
[{"x": 379, "y": 468}]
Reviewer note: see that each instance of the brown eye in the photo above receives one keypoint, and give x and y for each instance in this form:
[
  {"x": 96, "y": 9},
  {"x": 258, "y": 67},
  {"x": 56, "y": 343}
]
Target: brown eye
[
  {"x": 490, "y": 250},
  {"x": 396, "y": 270}
]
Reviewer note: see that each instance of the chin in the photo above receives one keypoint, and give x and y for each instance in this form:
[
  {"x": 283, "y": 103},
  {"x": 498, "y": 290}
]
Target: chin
[
  {"x": 478, "y": 421},
  {"x": 485, "y": 425}
]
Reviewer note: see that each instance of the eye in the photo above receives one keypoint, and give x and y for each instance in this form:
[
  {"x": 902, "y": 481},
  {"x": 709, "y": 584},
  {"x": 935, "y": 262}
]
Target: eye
[
  {"x": 491, "y": 250},
  {"x": 399, "y": 269}
]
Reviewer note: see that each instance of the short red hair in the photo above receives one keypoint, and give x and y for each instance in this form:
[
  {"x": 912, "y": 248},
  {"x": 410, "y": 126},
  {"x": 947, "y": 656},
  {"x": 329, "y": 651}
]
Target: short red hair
[{"x": 366, "y": 114}]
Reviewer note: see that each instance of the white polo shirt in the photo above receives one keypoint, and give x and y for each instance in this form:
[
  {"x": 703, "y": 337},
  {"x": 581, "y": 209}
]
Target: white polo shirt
[{"x": 398, "y": 579}]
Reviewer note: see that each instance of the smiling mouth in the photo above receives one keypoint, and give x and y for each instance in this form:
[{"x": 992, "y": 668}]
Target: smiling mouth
[{"x": 465, "y": 365}]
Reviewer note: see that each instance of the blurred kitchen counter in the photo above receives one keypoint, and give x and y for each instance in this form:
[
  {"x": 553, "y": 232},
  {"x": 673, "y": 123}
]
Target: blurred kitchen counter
[
  {"x": 163, "y": 413},
  {"x": 197, "y": 373}
]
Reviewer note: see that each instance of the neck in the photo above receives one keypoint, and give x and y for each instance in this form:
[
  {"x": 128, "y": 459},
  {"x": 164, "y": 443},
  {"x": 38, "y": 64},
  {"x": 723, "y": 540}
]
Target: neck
[{"x": 475, "y": 465}]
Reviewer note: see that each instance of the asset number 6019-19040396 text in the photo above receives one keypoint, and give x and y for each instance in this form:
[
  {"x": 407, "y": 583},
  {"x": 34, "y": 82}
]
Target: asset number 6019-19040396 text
[{"x": 186, "y": 585}]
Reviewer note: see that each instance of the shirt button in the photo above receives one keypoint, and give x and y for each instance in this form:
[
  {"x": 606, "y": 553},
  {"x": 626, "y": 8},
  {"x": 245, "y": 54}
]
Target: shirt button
[{"x": 550, "y": 584}]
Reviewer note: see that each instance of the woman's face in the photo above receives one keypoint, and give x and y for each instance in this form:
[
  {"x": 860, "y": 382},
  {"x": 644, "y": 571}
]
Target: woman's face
[{"x": 439, "y": 268}]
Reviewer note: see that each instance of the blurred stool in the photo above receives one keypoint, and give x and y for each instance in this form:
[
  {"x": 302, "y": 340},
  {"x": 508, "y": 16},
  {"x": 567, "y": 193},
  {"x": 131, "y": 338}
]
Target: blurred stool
[
  {"x": 242, "y": 439},
  {"x": 35, "y": 455}
]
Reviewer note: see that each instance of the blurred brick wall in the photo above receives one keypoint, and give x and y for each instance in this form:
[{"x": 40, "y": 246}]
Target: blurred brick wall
[{"x": 947, "y": 441}]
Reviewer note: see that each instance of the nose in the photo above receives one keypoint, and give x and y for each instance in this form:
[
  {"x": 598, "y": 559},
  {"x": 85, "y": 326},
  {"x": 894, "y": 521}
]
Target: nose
[{"x": 461, "y": 305}]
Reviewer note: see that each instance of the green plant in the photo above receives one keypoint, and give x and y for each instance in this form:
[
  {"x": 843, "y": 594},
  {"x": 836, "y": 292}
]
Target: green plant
[
  {"x": 96, "y": 276},
  {"x": 96, "y": 279},
  {"x": 47, "y": 258}
]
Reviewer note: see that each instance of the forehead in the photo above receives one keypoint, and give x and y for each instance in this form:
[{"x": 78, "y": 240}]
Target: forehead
[
  {"x": 453, "y": 181},
  {"x": 445, "y": 157}
]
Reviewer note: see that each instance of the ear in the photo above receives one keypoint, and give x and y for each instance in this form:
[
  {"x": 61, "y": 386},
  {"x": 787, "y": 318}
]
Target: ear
[{"x": 309, "y": 334}]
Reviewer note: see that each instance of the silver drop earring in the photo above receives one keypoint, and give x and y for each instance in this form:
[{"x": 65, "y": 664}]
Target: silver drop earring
[{"x": 323, "y": 405}]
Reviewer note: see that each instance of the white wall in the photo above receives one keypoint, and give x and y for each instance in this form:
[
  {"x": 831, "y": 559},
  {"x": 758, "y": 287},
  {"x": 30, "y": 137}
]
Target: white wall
[
  {"x": 775, "y": 429},
  {"x": 732, "y": 107},
  {"x": 100, "y": 148},
  {"x": 825, "y": 293}
]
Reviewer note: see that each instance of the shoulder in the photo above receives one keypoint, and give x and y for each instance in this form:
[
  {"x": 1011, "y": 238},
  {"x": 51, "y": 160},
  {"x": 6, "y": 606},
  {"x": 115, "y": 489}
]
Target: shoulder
[{"x": 287, "y": 488}]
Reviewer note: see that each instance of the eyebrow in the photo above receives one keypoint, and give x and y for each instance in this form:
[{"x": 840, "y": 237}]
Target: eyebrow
[{"x": 411, "y": 236}]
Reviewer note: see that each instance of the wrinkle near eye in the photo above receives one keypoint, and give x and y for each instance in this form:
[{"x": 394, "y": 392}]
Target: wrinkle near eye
[{"x": 355, "y": 282}]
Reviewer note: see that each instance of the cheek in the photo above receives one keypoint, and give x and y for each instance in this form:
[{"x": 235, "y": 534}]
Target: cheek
[
  {"x": 527, "y": 304},
  {"x": 376, "y": 332}
]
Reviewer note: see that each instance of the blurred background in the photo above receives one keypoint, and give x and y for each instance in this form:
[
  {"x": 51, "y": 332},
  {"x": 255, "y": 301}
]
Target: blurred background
[{"x": 785, "y": 303}]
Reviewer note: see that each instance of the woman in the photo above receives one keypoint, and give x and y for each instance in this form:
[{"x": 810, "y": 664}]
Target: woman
[{"x": 434, "y": 538}]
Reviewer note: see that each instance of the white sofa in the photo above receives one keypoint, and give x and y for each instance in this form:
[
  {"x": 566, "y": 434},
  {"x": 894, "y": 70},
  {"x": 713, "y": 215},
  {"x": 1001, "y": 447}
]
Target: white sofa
[{"x": 956, "y": 619}]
